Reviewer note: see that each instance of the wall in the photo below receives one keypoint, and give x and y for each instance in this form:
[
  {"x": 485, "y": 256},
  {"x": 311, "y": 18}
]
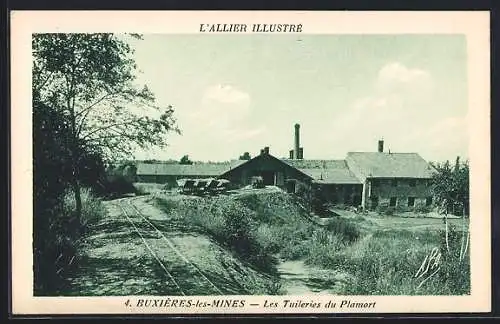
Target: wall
[
  {"x": 264, "y": 165},
  {"x": 342, "y": 194},
  {"x": 385, "y": 190}
]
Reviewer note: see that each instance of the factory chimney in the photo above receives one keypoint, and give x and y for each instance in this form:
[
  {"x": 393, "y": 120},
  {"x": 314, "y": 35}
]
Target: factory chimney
[
  {"x": 297, "y": 142},
  {"x": 381, "y": 146}
]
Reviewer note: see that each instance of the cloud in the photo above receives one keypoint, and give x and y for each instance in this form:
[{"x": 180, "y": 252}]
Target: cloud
[
  {"x": 235, "y": 135},
  {"x": 225, "y": 94},
  {"x": 219, "y": 107},
  {"x": 401, "y": 108},
  {"x": 397, "y": 72},
  {"x": 395, "y": 80}
]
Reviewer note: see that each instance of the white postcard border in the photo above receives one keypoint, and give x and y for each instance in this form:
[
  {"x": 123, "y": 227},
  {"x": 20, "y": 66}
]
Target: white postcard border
[{"x": 474, "y": 25}]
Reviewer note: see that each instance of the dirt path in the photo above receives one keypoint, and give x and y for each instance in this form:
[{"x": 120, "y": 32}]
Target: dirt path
[
  {"x": 150, "y": 253},
  {"x": 301, "y": 279}
]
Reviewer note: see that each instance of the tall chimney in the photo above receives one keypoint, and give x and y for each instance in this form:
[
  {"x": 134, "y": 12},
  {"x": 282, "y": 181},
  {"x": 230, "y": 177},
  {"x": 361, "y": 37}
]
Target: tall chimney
[
  {"x": 297, "y": 141},
  {"x": 381, "y": 146}
]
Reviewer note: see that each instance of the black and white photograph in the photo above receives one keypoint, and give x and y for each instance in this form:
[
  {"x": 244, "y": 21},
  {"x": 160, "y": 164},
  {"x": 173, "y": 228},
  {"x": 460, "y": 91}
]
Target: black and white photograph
[{"x": 252, "y": 159}]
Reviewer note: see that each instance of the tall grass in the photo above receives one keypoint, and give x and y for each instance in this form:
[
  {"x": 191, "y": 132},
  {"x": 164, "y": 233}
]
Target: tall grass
[
  {"x": 379, "y": 262},
  {"x": 92, "y": 207},
  {"x": 388, "y": 262},
  {"x": 56, "y": 253},
  {"x": 228, "y": 222}
]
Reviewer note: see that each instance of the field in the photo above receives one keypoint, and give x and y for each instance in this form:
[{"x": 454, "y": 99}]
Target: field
[
  {"x": 263, "y": 241},
  {"x": 349, "y": 254}
]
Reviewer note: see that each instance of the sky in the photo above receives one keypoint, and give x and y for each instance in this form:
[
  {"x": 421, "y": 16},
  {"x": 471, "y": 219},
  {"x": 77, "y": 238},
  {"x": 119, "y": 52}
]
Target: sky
[{"x": 237, "y": 93}]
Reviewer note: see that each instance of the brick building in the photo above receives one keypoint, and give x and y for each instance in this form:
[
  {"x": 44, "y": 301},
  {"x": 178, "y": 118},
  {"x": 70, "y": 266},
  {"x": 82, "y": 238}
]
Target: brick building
[{"x": 366, "y": 179}]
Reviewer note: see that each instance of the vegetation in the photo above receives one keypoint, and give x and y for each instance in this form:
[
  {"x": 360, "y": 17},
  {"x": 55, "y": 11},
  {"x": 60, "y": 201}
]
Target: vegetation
[
  {"x": 185, "y": 160},
  {"x": 229, "y": 222},
  {"x": 245, "y": 156},
  {"x": 87, "y": 111},
  {"x": 450, "y": 186},
  {"x": 265, "y": 227},
  {"x": 89, "y": 79}
]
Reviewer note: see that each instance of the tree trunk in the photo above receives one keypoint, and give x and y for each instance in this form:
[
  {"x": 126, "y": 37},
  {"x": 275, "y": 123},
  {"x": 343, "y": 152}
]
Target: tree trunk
[
  {"x": 77, "y": 192},
  {"x": 462, "y": 245}
]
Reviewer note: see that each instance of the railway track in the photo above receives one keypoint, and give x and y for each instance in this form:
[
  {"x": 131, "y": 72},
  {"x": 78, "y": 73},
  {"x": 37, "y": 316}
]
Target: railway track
[{"x": 182, "y": 276}]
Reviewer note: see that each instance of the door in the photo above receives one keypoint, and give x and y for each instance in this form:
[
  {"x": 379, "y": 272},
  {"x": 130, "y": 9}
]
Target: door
[
  {"x": 268, "y": 177},
  {"x": 279, "y": 179}
]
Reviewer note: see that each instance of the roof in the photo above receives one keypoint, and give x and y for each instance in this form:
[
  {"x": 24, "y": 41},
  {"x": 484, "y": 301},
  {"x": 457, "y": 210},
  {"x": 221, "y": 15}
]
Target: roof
[
  {"x": 325, "y": 171},
  {"x": 391, "y": 165},
  {"x": 195, "y": 169}
]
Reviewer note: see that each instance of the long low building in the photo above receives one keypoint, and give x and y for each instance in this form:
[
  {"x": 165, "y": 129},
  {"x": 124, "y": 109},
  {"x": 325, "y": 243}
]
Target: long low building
[{"x": 169, "y": 173}]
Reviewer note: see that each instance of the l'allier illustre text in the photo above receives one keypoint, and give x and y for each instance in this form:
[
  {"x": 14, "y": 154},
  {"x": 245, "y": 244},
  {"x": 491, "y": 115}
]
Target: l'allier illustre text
[{"x": 254, "y": 28}]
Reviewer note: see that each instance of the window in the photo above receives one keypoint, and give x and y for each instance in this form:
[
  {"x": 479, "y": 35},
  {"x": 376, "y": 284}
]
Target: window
[
  {"x": 394, "y": 182},
  {"x": 413, "y": 182},
  {"x": 428, "y": 201},
  {"x": 393, "y": 201},
  {"x": 411, "y": 201}
]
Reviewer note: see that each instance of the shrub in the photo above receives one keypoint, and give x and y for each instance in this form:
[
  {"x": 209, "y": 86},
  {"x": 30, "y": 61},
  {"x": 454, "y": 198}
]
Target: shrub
[
  {"x": 92, "y": 207},
  {"x": 422, "y": 209},
  {"x": 389, "y": 211},
  {"x": 386, "y": 263},
  {"x": 323, "y": 247},
  {"x": 344, "y": 228},
  {"x": 58, "y": 237},
  {"x": 231, "y": 224}
]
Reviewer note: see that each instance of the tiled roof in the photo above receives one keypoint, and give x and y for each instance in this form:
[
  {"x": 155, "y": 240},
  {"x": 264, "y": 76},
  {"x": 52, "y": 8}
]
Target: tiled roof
[
  {"x": 325, "y": 171},
  {"x": 390, "y": 165},
  {"x": 195, "y": 169}
]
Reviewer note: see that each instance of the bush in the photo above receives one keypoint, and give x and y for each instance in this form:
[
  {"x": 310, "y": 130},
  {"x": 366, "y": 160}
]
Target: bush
[
  {"x": 423, "y": 209},
  {"x": 231, "y": 224},
  {"x": 92, "y": 207},
  {"x": 347, "y": 230},
  {"x": 386, "y": 263},
  {"x": 322, "y": 248},
  {"x": 58, "y": 237}
]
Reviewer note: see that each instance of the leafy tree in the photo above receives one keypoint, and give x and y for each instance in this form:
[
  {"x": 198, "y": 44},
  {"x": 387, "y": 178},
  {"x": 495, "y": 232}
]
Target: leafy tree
[
  {"x": 90, "y": 80},
  {"x": 185, "y": 160},
  {"x": 55, "y": 232},
  {"x": 245, "y": 156},
  {"x": 450, "y": 186}
]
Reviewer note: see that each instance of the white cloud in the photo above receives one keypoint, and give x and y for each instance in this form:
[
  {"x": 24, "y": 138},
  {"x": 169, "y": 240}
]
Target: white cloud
[
  {"x": 397, "y": 80},
  {"x": 402, "y": 109},
  {"x": 225, "y": 94},
  {"x": 397, "y": 72}
]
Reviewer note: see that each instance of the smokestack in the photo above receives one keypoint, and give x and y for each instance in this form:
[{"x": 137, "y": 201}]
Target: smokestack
[
  {"x": 301, "y": 153},
  {"x": 381, "y": 146},
  {"x": 291, "y": 154},
  {"x": 297, "y": 141},
  {"x": 266, "y": 150}
]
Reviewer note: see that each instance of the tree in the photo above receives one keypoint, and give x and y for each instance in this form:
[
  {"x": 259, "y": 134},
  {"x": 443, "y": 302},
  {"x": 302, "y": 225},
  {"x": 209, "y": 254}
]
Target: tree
[
  {"x": 90, "y": 80},
  {"x": 54, "y": 235},
  {"x": 450, "y": 186},
  {"x": 185, "y": 160},
  {"x": 245, "y": 156}
]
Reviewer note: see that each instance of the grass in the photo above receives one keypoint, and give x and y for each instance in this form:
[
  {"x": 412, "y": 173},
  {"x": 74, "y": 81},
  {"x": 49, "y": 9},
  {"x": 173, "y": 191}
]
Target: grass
[
  {"x": 381, "y": 255},
  {"x": 58, "y": 254},
  {"x": 143, "y": 188},
  {"x": 227, "y": 221}
]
